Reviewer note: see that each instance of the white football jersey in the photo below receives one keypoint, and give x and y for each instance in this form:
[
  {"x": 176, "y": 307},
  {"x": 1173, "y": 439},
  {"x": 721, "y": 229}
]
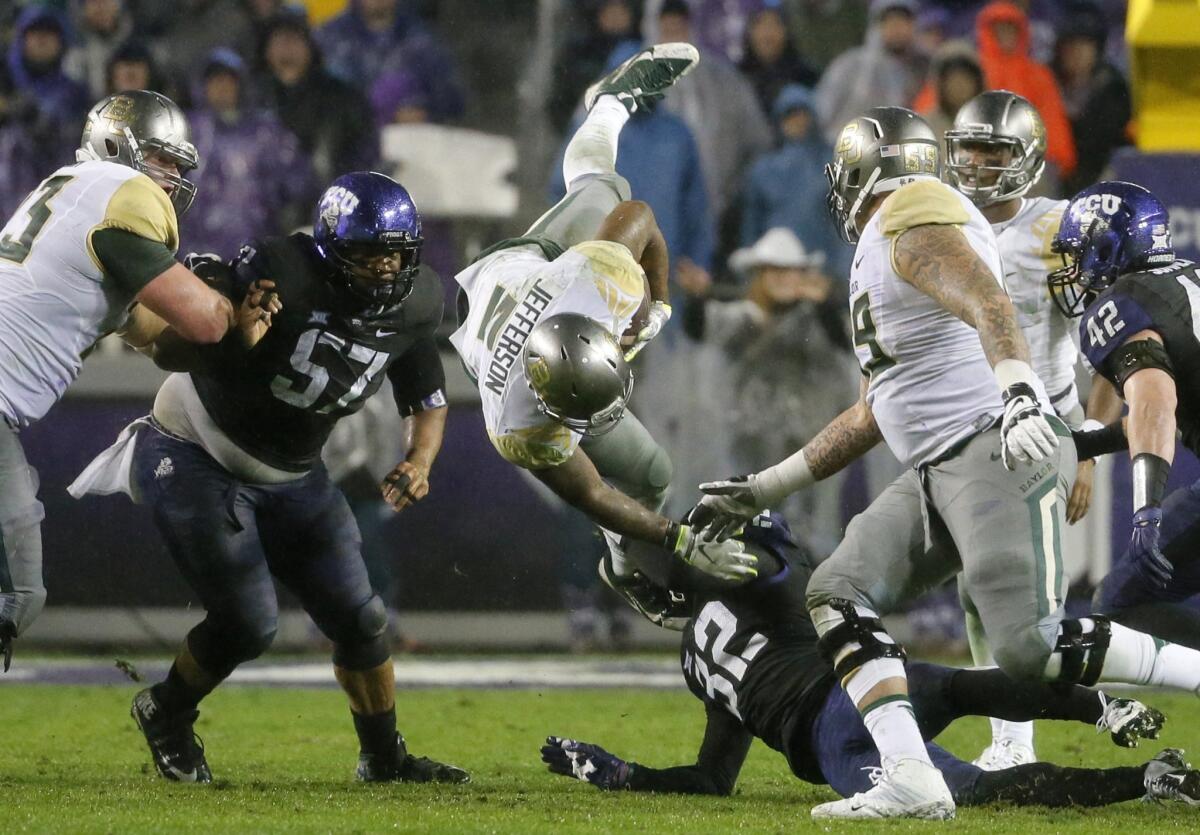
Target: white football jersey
[
  {"x": 509, "y": 292},
  {"x": 55, "y": 300},
  {"x": 930, "y": 384},
  {"x": 1024, "y": 242}
]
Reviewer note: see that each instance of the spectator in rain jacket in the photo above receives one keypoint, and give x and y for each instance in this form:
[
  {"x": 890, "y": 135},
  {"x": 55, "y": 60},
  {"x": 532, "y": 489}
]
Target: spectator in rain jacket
[
  {"x": 253, "y": 179},
  {"x": 35, "y": 65}
]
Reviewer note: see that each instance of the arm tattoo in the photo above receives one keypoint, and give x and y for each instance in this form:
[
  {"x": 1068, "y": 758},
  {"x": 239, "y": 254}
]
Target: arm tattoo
[
  {"x": 938, "y": 261},
  {"x": 847, "y": 437}
]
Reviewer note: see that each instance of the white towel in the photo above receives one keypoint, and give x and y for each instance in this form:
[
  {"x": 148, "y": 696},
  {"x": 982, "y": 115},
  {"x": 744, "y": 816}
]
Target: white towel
[{"x": 111, "y": 471}]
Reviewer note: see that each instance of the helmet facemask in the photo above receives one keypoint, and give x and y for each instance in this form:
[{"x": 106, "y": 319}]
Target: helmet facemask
[
  {"x": 185, "y": 157},
  {"x": 843, "y": 186},
  {"x": 358, "y": 264},
  {"x": 1085, "y": 273},
  {"x": 989, "y": 183}
]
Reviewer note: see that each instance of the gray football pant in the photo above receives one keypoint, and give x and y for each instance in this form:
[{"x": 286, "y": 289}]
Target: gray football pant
[
  {"x": 970, "y": 514},
  {"x": 628, "y": 457},
  {"x": 22, "y": 593}
]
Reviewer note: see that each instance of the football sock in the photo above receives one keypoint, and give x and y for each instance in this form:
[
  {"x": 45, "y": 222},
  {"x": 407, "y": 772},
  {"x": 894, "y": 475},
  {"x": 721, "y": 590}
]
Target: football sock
[
  {"x": 185, "y": 685},
  {"x": 593, "y": 148},
  {"x": 992, "y": 693},
  {"x": 376, "y": 732},
  {"x": 1020, "y": 733},
  {"x": 1138, "y": 658},
  {"x": 891, "y": 723},
  {"x": 1045, "y": 784}
]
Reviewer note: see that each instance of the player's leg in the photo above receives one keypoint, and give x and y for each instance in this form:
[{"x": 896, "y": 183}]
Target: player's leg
[
  {"x": 589, "y": 164},
  {"x": 1012, "y": 742},
  {"x": 1005, "y": 525},
  {"x": 941, "y": 695},
  {"x": 1171, "y": 613},
  {"x": 882, "y": 561},
  {"x": 631, "y": 460},
  {"x": 313, "y": 547},
  {"x": 208, "y": 522},
  {"x": 22, "y": 594}
]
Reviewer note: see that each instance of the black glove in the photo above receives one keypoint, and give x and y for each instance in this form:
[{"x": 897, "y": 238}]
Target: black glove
[{"x": 586, "y": 762}]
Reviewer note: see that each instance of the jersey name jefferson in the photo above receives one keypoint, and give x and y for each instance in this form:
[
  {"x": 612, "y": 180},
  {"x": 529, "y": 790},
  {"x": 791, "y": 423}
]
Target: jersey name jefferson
[{"x": 509, "y": 292}]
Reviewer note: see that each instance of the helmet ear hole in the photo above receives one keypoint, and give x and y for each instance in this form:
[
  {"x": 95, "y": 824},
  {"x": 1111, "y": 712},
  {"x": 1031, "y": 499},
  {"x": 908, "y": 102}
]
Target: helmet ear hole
[
  {"x": 111, "y": 147},
  {"x": 853, "y": 178}
]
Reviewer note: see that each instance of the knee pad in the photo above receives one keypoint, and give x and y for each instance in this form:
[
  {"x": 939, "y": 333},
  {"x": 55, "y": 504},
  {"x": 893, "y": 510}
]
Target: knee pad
[
  {"x": 361, "y": 643},
  {"x": 219, "y": 646},
  {"x": 1081, "y": 647},
  {"x": 851, "y": 636}
]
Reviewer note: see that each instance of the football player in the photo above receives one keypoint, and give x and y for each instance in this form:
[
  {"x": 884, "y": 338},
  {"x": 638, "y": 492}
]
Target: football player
[
  {"x": 94, "y": 241},
  {"x": 752, "y": 657},
  {"x": 229, "y": 462},
  {"x": 947, "y": 383},
  {"x": 543, "y": 321},
  {"x": 995, "y": 154},
  {"x": 1140, "y": 308}
]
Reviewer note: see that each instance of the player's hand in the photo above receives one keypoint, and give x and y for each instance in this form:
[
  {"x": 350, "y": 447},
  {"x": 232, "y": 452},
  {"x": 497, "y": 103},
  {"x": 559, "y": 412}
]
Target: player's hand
[
  {"x": 405, "y": 484},
  {"x": 726, "y": 560},
  {"x": 726, "y": 506},
  {"x": 1081, "y": 493},
  {"x": 8, "y": 631},
  {"x": 586, "y": 762},
  {"x": 1144, "y": 549},
  {"x": 257, "y": 308},
  {"x": 1025, "y": 434},
  {"x": 656, "y": 320}
]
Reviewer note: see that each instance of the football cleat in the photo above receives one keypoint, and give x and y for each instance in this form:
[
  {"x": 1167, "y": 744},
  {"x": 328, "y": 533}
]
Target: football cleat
[
  {"x": 178, "y": 753},
  {"x": 1170, "y": 777},
  {"x": 1128, "y": 720},
  {"x": 642, "y": 80},
  {"x": 399, "y": 766},
  {"x": 1005, "y": 753},
  {"x": 8, "y": 631},
  {"x": 905, "y": 789}
]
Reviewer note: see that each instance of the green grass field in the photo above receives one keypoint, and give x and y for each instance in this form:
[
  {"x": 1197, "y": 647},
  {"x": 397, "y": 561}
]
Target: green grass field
[{"x": 71, "y": 760}]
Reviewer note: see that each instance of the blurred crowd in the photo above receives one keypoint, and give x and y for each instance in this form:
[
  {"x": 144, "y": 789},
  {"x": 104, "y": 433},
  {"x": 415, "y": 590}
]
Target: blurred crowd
[{"x": 757, "y": 357}]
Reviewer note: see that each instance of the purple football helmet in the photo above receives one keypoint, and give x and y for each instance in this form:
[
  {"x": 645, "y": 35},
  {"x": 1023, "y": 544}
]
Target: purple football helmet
[
  {"x": 1107, "y": 230},
  {"x": 367, "y": 228}
]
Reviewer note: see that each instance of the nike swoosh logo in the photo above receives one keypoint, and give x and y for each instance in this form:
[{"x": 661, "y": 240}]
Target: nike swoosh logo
[
  {"x": 385, "y": 333},
  {"x": 183, "y": 776},
  {"x": 859, "y": 261}
]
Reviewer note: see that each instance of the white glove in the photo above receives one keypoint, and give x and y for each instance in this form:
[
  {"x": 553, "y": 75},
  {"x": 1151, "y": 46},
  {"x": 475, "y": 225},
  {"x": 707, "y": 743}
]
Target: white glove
[
  {"x": 1025, "y": 434},
  {"x": 727, "y": 505},
  {"x": 726, "y": 560},
  {"x": 656, "y": 320}
]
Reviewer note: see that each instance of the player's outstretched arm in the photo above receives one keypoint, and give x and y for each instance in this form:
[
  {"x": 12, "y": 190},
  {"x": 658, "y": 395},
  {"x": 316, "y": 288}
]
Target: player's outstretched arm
[
  {"x": 1104, "y": 407},
  {"x": 195, "y": 311},
  {"x": 726, "y": 743},
  {"x": 727, "y": 505}
]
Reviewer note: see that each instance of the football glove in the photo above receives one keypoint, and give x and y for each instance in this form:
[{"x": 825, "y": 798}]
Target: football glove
[
  {"x": 726, "y": 506},
  {"x": 726, "y": 560},
  {"x": 1144, "y": 548},
  {"x": 657, "y": 318},
  {"x": 586, "y": 762},
  {"x": 1025, "y": 435}
]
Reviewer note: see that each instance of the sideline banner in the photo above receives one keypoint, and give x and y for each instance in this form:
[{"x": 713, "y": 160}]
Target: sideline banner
[{"x": 1173, "y": 179}]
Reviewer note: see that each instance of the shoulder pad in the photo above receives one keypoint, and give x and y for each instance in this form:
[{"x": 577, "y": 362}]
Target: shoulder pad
[{"x": 921, "y": 203}]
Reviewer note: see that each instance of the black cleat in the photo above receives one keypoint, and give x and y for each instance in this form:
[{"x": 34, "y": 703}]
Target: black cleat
[
  {"x": 178, "y": 753},
  {"x": 8, "y": 631},
  {"x": 1170, "y": 777},
  {"x": 402, "y": 767}
]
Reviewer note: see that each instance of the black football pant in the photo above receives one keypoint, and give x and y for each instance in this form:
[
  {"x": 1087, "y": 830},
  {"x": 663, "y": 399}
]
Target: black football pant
[{"x": 228, "y": 540}]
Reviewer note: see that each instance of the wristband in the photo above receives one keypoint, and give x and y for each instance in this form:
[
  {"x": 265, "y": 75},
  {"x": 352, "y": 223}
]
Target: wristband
[
  {"x": 1149, "y": 480},
  {"x": 1105, "y": 440},
  {"x": 776, "y": 483},
  {"x": 1010, "y": 372}
]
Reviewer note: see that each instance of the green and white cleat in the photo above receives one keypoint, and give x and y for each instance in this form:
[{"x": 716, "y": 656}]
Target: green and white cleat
[
  {"x": 642, "y": 80},
  {"x": 1128, "y": 720}
]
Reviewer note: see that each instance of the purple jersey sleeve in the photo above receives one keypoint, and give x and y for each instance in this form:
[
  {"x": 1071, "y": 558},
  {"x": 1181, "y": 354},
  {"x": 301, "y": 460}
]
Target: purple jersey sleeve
[{"x": 1106, "y": 324}]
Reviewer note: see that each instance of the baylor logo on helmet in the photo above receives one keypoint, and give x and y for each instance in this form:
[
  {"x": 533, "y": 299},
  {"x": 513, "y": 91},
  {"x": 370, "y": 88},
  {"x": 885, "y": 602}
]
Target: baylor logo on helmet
[
  {"x": 849, "y": 144},
  {"x": 119, "y": 110}
]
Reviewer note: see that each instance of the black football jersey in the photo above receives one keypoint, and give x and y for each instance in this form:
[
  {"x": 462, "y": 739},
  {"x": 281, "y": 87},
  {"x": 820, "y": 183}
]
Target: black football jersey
[
  {"x": 752, "y": 652},
  {"x": 323, "y": 356},
  {"x": 1167, "y": 301}
]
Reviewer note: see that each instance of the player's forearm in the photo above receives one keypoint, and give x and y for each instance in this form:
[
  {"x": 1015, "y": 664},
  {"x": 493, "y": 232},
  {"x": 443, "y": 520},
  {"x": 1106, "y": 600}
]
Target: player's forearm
[
  {"x": 171, "y": 352},
  {"x": 1151, "y": 423},
  {"x": 655, "y": 261},
  {"x": 680, "y": 779},
  {"x": 846, "y": 438},
  {"x": 577, "y": 482},
  {"x": 428, "y": 430},
  {"x": 195, "y": 311}
]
